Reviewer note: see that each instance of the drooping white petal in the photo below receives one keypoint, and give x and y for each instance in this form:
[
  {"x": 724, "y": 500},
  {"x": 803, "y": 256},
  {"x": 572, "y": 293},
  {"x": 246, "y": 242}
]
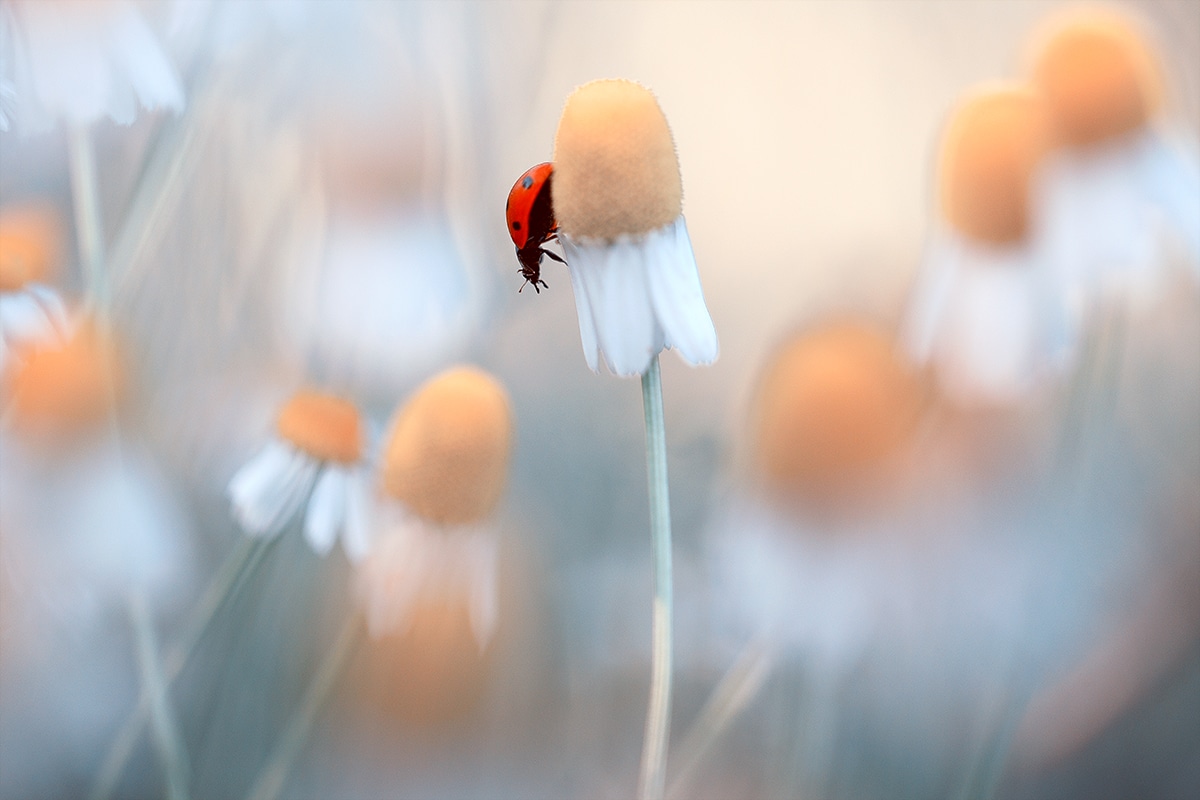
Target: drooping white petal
[
  {"x": 326, "y": 509},
  {"x": 481, "y": 557},
  {"x": 144, "y": 64},
  {"x": 991, "y": 348},
  {"x": 677, "y": 296},
  {"x": 270, "y": 488},
  {"x": 1172, "y": 180},
  {"x": 579, "y": 261},
  {"x": 393, "y": 577},
  {"x": 30, "y": 316},
  {"x": 931, "y": 293},
  {"x": 357, "y": 535},
  {"x": 625, "y": 323}
]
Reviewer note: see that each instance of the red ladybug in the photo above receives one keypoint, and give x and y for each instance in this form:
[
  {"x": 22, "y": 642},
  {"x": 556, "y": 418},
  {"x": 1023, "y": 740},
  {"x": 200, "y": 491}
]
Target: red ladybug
[{"x": 531, "y": 222}]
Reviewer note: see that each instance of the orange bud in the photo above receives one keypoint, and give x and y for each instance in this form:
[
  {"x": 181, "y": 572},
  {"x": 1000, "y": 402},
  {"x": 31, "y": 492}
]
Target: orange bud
[
  {"x": 447, "y": 454},
  {"x": 30, "y": 245},
  {"x": 1099, "y": 74},
  {"x": 833, "y": 403},
  {"x": 992, "y": 145}
]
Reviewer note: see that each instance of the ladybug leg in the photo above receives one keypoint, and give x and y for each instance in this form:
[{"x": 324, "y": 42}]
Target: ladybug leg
[{"x": 554, "y": 256}]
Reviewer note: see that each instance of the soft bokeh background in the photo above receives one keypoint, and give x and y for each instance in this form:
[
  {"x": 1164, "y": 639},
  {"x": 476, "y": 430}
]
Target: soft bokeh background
[{"x": 328, "y": 209}]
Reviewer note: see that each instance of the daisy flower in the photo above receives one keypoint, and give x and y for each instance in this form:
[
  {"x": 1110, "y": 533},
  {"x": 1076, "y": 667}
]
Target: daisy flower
[
  {"x": 83, "y": 60},
  {"x": 313, "y": 460},
  {"x": 1120, "y": 187},
  {"x": 618, "y": 199},
  {"x": 443, "y": 471},
  {"x": 987, "y": 310},
  {"x": 30, "y": 311}
]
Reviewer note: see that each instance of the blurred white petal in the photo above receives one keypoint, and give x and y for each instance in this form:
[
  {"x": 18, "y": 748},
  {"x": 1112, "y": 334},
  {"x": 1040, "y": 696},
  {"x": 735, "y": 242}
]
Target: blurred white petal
[
  {"x": 481, "y": 586},
  {"x": 87, "y": 60},
  {"x": 581, "y": 261},
  {"x": 357, "y": 533},
  {"x": 268, "y": 491},
  {"x": 326, "y": 509}
]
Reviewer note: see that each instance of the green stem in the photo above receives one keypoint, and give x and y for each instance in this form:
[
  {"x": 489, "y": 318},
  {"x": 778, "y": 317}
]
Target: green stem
[
  {"x": 658, "y": 714},
  {"x": 154, "y": 686},
  {"x": 240, "y": 564},
  {"x": 89, "y": 232},
  {"x": 274, "y": 774}
]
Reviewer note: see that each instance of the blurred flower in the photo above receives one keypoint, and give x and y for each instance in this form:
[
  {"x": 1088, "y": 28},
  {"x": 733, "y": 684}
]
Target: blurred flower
[
  {"x": 443, "y": 471},
  {"x": 986, "y": 309},
  {"x": 833, "y": 406},
  {"x": 618, "y": 201},
  {"x": 313, "y": 460},
  {"x": 1119, "y": 187},
  {"x": 81, "y": 60},
  {"x": 30, "y": 311},
  {"x": 61, "y": 391},
  {"x": 835, "y": 413},
  {"x": 87, "y": 522}
]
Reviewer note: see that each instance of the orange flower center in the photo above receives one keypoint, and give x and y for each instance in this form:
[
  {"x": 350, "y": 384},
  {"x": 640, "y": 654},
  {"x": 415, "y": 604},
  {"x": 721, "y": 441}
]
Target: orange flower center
[{"x": 326, "y": 427}]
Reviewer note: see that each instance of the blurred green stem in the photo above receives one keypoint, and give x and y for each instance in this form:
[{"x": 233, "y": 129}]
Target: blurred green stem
[
  {"x": 89, "y": 232},
  {"x": 273, "y": 775},
  {"x": 736, "y": 690},
  {"x": 154, "y": 686},
  {"x": 658, "y": 714},
  {"x": 232, "y": 574}
]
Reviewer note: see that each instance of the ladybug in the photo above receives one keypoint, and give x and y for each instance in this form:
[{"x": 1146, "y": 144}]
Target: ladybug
[{"x": 531, "y": 222}]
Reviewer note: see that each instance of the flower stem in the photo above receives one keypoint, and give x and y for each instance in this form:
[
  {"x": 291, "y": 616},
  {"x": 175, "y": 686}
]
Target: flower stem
[
  {"x": 736, "y": 690},
  {"x": 154, "y": 686},
  {"x": 240, "y": 564},
  {"x": 273, "y": 775},
  {"x": 658, "y": 714},
  {"x": 88, "y": 230}
]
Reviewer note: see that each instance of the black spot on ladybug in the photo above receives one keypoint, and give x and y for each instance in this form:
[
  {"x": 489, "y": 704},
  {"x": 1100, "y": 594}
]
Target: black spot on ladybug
[
  {"x": 528, "y": 181},
  {"x": 516, "y": 225}
]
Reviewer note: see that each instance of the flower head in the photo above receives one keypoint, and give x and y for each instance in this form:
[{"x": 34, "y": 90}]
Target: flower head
[
  {"x": 1098, "y": 74},
  {"x": 30, "y": 253},
  {"x": 833, "y": 405},
  {"x": 63, "y": 389},
  {"x": 994, "y": 142},
  {"x": 82, "y": 60},
  {"x": 1121, "y": 187},
  {"x": 443, "y": 471},
  {"x": 447, "y": 455},
  {"x": 314, "y": 460},
  {"x": 987, "y": 309},
  {"x": 618, "y": 201}
]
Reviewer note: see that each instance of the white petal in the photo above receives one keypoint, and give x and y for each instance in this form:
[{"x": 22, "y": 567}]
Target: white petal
[
  {"x": 1173, "y": 183},
  {"x": 620, "y": 300},
  {"x": 24, "y": 318},
  {"x": 579, "y": 260},
  {"x": 326, "y": 510},
  {"x": 392, "y": 579},
  {"x": 270, "y": 488},
  {"x": 145, "y": 66},
  {"x": 931, "y": 293},
  {"x": 482, "y": 591},
  {"x": 678, "y": 298},
  {"x": 357, "y": 535}
]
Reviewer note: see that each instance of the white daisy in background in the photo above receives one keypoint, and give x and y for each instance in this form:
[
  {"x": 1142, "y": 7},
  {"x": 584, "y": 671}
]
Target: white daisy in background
[
  {"x": 1123, "y": 193},
  {"x": 618, "y": 200},
  {"x": 87, "y": 523},
  {"x": 987, "y": 311},
  {"x": 313, "y": 462},
  {"x": 82, "y": 60},
  {"x": 30, "y": 310},
  {"x": 442, "y": 475}
]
